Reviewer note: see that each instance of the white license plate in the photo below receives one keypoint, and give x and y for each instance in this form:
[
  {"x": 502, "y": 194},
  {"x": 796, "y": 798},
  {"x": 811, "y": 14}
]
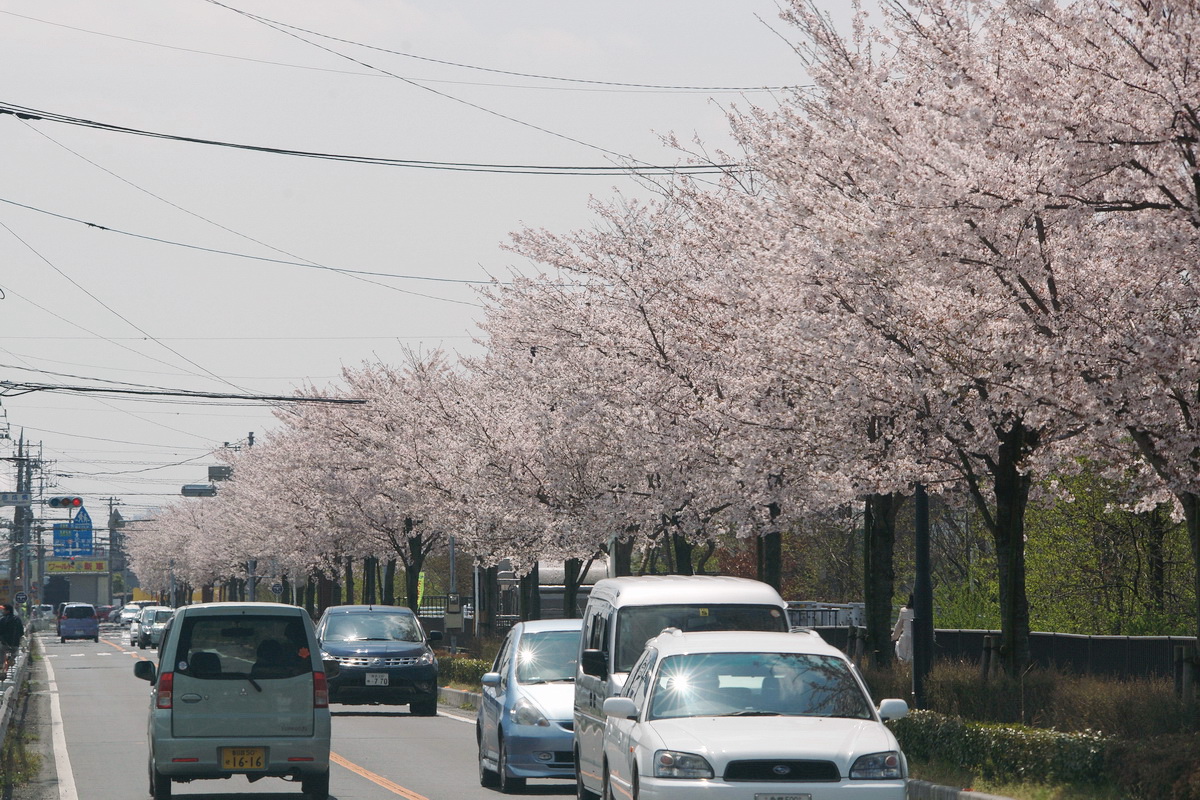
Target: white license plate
[
  {"x": 783, "y": 797},
  {"x": 376, "y": 679}
]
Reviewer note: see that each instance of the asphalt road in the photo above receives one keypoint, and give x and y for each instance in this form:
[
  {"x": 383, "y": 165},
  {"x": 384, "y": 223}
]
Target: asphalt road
[{"x": 88, "y": 713}]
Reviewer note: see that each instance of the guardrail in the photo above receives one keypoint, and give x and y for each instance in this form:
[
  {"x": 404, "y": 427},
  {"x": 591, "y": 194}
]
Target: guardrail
[{"x": 10, "y": 688}]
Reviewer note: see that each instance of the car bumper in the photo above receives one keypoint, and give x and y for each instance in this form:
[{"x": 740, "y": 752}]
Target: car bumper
[
  {"x": 676, "y": 789},
  {"x": 200, "y": 757},
  {"x": 404, "y": 684},
  {"x": 537, "y": 752}
]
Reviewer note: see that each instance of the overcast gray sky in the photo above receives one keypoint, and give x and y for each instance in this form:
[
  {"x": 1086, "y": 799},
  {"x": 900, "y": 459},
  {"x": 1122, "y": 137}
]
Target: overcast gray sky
[{"x": 108, "y": 241}]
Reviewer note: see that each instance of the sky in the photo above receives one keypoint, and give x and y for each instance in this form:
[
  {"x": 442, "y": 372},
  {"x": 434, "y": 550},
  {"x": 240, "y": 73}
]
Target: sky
[{"x": 138, "y": 262}]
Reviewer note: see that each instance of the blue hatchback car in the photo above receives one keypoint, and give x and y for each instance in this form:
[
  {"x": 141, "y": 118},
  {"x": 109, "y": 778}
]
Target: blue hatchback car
[{"x": 525, "y": 721}]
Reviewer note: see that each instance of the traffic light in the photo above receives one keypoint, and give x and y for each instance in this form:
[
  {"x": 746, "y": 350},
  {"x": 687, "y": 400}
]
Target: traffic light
[{"x": 66, "y": 502}]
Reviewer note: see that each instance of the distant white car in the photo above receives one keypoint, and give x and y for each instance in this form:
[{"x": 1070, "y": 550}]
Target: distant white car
[
  {"x": 749, "y": 714},
  {"x": 141, "y": 631}
]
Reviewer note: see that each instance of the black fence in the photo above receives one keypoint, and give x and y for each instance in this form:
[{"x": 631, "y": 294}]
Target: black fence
[{"x": 1108, "y": 656}]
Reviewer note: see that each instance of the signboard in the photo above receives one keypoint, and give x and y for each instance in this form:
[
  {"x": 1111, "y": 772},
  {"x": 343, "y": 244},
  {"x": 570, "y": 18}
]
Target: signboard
[
  {"x": 89, "y": 566},
  {"x": 20, "y": 598},
  {"x": 74, "y": 538},
  {"x": 16, "y": 498}
]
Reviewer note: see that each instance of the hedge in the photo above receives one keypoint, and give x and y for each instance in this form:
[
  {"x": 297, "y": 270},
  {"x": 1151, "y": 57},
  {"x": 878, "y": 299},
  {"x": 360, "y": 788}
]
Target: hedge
[
  {"x": 457, "y": 669},
  {"x": 1004, "y": 751}
]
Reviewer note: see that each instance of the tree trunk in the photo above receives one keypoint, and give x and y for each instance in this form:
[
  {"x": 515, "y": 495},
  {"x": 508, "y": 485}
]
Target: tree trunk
[
  {"x": 1008, "y": 533},
  {"x": 531, "y": 596},
  {"x": 389, "y": 582},
  {"x": 879, "y": 573},
  {"x": 572, "y": 573},
  {"x": 413, "y": 567},
  {"x": 369, "y": 573},
  {"x": 683, "y": 554},
  {"x": 769, "y": 552},
  {"x": 349, "y": 579},
  {"x": 621, "y": 556},
  {"x": 1191, "y": 515}
]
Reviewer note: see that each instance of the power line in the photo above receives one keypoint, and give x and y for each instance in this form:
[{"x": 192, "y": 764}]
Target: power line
[
  {"x": 27, "y": 113},
  {"x": 14, "y": 388}
]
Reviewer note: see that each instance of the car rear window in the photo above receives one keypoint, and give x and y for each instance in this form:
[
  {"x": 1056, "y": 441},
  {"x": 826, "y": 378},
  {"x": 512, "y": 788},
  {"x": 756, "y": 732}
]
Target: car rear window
[
  {"x": 79, "y": 612},
  {"x": 243, "y": 646},
  {"x": 163, "y": 616}
]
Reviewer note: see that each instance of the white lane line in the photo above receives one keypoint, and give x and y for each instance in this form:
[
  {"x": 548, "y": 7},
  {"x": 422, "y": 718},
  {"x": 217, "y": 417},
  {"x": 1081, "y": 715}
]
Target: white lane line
[{"x": 62, "y": 762}]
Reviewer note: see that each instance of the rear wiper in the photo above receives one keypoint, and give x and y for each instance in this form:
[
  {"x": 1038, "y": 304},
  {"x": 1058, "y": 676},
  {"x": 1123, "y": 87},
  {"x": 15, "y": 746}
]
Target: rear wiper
[{"x": 254, "y": 683}]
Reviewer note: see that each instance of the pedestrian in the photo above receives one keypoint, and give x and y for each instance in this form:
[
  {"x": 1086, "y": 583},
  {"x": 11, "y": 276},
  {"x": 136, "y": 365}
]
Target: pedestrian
[
  {"x": 11, "y": 631},
  {"x": 902, "y": 633}
]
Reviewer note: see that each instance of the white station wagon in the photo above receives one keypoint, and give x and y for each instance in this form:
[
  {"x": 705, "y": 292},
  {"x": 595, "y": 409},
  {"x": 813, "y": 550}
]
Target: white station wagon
[{"x": 738, "y": 714}]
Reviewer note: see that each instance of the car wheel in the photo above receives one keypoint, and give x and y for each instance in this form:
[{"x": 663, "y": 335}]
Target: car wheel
[
  {"x": 425, "y": 707},
  {"x": 141, "y": 644},
  {"x": 581, "y": 791},
  {"x": 316, "y": 786},
  {"x": 160, "y": 785},
  {"x": 606, "y": 785},
  {"x": 633, "y": 785},
  {"x": 486, "y": 776},
  {"x": 62, "y": 640},
  {"x": 508, "y": 785},
  {"x": 96, "y": 639}
]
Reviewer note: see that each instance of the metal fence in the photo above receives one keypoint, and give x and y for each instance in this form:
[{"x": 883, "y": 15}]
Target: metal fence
[{"x": 1109, "y": 656}]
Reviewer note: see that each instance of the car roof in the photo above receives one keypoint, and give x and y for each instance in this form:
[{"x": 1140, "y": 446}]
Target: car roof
[
  {"x": 676, "y": 589},
  {"x": 541, "y": 625},
  {"x": 368, "y": 609},
  {"x": 78, "y": 603},
  {"x": 672, "y": 641},
  {"x": 215, "y": 609}
]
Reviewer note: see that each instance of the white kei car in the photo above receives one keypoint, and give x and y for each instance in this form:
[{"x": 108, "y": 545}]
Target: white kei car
[{"x": 738, "y": 714}]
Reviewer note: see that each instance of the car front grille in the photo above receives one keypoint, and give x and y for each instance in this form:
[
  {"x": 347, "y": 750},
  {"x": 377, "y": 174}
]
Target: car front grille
[
  {"x": 782, "y": 770},
  {"x": 379, "y": 663}
]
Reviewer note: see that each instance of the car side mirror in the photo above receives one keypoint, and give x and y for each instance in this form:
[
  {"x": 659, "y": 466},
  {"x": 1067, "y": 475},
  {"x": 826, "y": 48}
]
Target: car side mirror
[
  {"x": 331, "y": 667},
  {"x": 594, "y": 662},
  {"x": 434, "y": 636},
  {"x": 622, "y": 707},
  {"x": 893, "y": 709},
  {"x": 490, "y": 679},
  {"x": 145, "y": 670}
]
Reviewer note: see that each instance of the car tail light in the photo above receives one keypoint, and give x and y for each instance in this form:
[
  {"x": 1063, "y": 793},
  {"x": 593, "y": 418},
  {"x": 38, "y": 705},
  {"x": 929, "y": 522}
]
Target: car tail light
[
  {"x": 162, "y": 695},
  {"x": 320, "y": 691}
]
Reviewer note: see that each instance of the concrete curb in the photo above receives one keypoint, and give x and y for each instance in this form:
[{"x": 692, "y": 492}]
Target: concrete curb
[{"x": 917, "y": 790}]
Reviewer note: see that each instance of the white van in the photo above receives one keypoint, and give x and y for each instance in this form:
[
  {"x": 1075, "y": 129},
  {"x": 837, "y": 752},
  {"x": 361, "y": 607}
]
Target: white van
[
  {"x": 240, "y": 689},
  {"x": 622, "y": 613}
]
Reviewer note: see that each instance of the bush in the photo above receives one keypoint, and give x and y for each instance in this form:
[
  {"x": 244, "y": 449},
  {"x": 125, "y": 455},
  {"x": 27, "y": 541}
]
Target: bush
[
  {"x": 462, "y": 669},
  {"x": 1163, "y": 768},
  {"x": 1003, "y": 751}
]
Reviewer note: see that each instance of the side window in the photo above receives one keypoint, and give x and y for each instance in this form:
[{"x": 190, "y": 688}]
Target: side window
[
  {"x": 639, "y": 679},
  {"x": 504, "y": 660},
  {"x": 500, "y": 653},
  {"x": 597, "y": 638}
]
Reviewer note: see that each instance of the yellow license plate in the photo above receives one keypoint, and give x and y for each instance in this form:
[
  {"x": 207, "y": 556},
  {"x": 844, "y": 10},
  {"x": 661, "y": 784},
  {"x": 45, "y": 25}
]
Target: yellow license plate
[{"x": 243, "y": 758}]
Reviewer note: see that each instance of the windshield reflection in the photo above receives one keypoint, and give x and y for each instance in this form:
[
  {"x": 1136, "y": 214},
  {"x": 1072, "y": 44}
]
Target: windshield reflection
[
  {"x": 548, "y": 656},
  {"x": 373, "y": 627},
  {"x": 757, "y": 684}
]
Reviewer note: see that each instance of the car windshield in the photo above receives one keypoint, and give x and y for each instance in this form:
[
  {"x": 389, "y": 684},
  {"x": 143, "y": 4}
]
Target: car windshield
[
  {"x": 547, "y": 656},
  {"x": 636, "y": 624},
  {"x": 372, "y": 626},
  {"x": 757, "y": 684}
]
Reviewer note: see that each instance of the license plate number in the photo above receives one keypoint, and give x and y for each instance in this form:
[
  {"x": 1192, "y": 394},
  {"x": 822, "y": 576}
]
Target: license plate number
[
  {"x": 243, "y": 758},
  {"x": 376, "y": 679},
  {"x": 783, "y": 797}
]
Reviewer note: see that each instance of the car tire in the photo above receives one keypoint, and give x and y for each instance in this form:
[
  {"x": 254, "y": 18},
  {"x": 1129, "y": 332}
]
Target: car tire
[
  {"x": 96, "y": 639},
  {"x": 141, "y": 644},
  {"x": 508, "y": 784},
  {"x": 606, "y": 791},
  {"x": 316, "y": 786},
  {"x": 581, "y": 791},
  {"x": 160, "y": 785},
  {"x": 62, "y": 640},
  {"x": 425, "y": 707},
  {"x": 487, "y": 778}
]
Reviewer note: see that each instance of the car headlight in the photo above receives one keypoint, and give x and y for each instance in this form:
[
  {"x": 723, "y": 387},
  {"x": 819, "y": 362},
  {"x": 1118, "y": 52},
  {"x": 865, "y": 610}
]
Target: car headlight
[
  {"x": 877, "y": 766},
  {"x": 328, "y": 656},
  {"x": 426, "y": 658},
  {"x": 674, "y": 764},
  {"x": 524, "y": 712}
]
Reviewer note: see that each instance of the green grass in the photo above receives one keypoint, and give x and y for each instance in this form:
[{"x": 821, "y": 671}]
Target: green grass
[{"x": 952, "y": 775}]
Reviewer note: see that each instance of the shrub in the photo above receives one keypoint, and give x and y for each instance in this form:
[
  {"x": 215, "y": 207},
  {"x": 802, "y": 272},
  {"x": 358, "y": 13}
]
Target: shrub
[
  {"x": 1003, "y": 751},
  {"x": 462, "y": 669},
  {"x": 1163, "y": 768}
]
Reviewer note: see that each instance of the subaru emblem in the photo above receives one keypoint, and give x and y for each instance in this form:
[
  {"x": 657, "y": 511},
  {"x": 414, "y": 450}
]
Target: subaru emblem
[{"x": 781, "y": 769}]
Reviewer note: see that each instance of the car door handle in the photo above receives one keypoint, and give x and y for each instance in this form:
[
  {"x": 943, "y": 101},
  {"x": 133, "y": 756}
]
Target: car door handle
[{"x": 191, "y": 698}]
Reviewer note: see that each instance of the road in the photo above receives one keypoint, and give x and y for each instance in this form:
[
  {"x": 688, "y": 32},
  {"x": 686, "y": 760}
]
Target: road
[{"x": 98, "y": 749}]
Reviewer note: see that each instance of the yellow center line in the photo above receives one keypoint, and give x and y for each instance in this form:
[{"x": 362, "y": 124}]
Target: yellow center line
[{"x": 391, "y": 786}]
